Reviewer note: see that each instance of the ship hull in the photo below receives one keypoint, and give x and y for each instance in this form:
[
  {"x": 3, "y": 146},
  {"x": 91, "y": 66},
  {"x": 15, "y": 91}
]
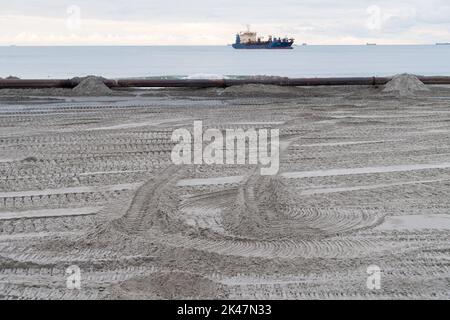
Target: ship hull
[{"x": 270, "y": 45}]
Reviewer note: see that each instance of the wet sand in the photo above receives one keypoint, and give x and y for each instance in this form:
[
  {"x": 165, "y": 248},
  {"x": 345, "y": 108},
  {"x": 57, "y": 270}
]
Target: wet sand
[{"x": 88, "y": 181}]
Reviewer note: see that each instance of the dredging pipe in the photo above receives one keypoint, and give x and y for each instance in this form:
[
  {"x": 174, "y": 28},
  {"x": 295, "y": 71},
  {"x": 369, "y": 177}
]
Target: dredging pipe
[{"x": 208, "y": 83}]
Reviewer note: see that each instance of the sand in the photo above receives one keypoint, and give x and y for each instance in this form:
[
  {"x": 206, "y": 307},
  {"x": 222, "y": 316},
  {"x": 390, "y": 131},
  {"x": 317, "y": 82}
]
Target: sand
[
  {"x": 258, "y": 90},
  {"x": 87, "y": 180},
  {"x": 405, "y": 85},
  {"x": 209, "y": 181},
  {"x": 171, "y": 285},
  {"x": 368, "y": 170},
  {"x": 49, "y": 213},
  {"x": 91, "y": 85}
]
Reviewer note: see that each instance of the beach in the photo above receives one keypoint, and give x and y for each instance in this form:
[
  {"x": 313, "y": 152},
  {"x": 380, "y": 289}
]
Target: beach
[{"x": 88, "y": 181}]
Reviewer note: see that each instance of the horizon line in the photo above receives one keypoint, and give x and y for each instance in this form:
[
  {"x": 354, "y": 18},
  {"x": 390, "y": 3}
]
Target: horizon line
[{"x": 369, "y": 44}]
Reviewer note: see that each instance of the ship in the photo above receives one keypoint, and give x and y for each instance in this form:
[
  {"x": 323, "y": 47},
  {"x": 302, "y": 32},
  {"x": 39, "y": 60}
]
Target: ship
[{"x": 250, "y": 40}]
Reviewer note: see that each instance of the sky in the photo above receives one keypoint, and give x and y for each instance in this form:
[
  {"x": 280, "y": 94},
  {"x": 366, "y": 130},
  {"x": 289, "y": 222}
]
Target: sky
[{"x": 215, "y": 22}]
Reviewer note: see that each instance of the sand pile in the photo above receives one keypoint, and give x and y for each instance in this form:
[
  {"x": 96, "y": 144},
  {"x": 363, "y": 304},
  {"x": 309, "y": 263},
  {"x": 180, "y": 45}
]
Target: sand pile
[
  {"x": 91, "y": 86},
  {"x": 171, "y": 285},
  {"x": 258, "y": 90},
  {"x": 405, "y": 85}
]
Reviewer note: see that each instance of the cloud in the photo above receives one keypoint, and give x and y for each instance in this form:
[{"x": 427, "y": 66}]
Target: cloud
[{"x": 144, "y": 22}]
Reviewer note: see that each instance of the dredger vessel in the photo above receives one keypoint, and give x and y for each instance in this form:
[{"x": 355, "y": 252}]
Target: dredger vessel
[{"x": 250, "y": 40}]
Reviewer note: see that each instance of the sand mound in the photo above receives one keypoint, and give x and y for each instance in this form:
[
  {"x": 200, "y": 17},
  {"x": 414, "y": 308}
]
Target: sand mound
[
  {"x": 171, "y": 285},
  {"x": 10, "y": 78},
  {"x": 258, "y": 90},
  {"x": 91, "y": 85},
  {"x": 405, "y": 85}
]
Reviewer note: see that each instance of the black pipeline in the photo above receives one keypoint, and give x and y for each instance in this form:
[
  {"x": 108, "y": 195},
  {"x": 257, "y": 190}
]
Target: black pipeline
[{"x": 208, "y": 83}]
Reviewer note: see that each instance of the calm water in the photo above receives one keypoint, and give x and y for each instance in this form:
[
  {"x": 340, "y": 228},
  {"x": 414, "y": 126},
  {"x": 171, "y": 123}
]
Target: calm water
[{"x": 211, "y": 61}]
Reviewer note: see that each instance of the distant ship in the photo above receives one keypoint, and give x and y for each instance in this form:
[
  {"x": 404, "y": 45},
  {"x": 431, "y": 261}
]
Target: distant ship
[{"x": 249, "y": 40}]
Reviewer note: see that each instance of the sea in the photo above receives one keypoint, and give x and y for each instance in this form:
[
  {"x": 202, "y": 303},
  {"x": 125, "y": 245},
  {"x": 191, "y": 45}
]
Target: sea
[{"x": 222, "y": 61}]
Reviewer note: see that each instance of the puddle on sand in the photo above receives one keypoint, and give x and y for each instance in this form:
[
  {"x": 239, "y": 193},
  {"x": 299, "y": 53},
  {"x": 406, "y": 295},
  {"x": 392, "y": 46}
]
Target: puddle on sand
[
  {"x": 416, "y": 222},
  {"x": 367, "y": 170}
]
